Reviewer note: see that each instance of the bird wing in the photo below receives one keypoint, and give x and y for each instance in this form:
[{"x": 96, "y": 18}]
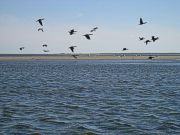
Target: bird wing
[
  {"x": 40, "y": 21},
  {"x": 40, "y": 29},
  {"x": 88, "y": 37},
  {"x": 75, "y": 56},
  {"x": 96, "y": 28},
  {"x": 141, "y": 21},
  {"x": 72, "y": 49},
  {"x": 70, "y": 32}
]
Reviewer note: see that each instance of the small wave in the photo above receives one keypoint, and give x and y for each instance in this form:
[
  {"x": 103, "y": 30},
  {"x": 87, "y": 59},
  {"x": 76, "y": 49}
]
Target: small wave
[
  {"x": 22, "y": 126},
  {"x": 52, "y": 120},
  {"x": 83, "y": 129},
  {"x": 35, "y": 133},
  {"x": 91, "y": 133},
  {"x": 168, "y": 125}
]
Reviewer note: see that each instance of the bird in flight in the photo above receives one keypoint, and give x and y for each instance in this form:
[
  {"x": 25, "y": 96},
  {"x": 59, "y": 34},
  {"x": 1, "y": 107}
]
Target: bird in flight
[
  {"x": 88, "y": 36},
  {"x": 72, "y": 48},
  {"x": 44, "y": 45},
  {"x": 21, "y": 48},
  {"x": 147, "y": 41},
  {"x": 94, "y": 29},
  {"x": 141, "y": 22},
  {"x": 40, "y": 21},
  {"x": 153, "y": 38},
  {"x": 41, "y": 29},
  {"x": 71, "y": 32},
  {"x": 124, "y": 49},
  {"x": 141, "y": 38},
  {"x": 75, "y": 56}
]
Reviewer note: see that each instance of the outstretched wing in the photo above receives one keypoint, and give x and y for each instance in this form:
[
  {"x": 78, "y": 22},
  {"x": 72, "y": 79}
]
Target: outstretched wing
[
  {"x": 88, "y": 37},
  {"x": 141, "y": 21},
  {"x": 40, "y": 22},
  {"x": 72, "y": 49}
]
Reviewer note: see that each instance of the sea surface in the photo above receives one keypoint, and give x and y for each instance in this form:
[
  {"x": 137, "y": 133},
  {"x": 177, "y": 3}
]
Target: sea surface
[{"x": 90, "y": 97}]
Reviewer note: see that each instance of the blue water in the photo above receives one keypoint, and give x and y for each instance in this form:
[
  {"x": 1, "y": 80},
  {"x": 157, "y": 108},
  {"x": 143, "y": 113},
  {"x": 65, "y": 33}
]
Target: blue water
[{"x": 89, "y": 97}]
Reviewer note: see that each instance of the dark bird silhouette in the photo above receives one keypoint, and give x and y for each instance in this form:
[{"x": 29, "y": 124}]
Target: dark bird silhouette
[
  {"x": 124, "y": 49},
  {"x": 147, "y": 41},
  {"x": 44, "y": 45},
  {"x": 94, "y": 29},
  {"x": 41, "y": 29},
  {"x": 21, "y": 48},
  {"x": 40, "y": 21},
  {"x": 141, "y": 38},
  {"x": 71, "y": 32},
  {"x": 45, "y": 50},
  {"x": 75, "y": 56},
  {"x": 154, "y": 38},
  {"x": 72, "y": 48},
  {"x": 151, "y": 57},
  {"x": 141, "y": 22},
  {"x": 88, "y": 36}
]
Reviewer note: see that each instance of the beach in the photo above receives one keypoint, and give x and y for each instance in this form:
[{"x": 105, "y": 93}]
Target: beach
[{"x": 108, "y": 56}]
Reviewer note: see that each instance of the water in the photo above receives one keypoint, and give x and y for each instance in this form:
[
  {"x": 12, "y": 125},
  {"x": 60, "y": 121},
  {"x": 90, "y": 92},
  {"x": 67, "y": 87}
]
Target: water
[{"x": 89, "y": 97}]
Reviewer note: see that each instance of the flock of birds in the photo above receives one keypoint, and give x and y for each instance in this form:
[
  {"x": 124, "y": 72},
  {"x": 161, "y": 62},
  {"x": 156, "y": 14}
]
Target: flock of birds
[
  {"x": 42, "y": 30},
  {"x": 153, "y": 38},
  {"x": 71, "y": 32},
  {"x": 88, "y": 37}
]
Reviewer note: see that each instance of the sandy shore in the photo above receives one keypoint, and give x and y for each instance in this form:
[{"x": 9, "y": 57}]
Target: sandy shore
[{"x": 87, "y": 57}]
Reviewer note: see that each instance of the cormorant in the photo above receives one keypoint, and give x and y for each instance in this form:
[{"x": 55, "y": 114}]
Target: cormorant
[
  {"x": 40, "y": 21},
  {"x": 72, "y": 48},
  {"x": 141, "y": 22},
  {"x": 21, "y": 48},
  {"x": 88, "y": 36},
  {"x": 94, "y": 29},
  {"x": 124, "y": 49},
  {"x": 154, "y": 38},
  {"x": 150, "y": 57},
  {"x": 141, "y": 38},
  {"x": 75, "y": 56},
  {"x": 71, "y": 32},
  {"x": 41, "y": 29},
  {"x": 147, "y": 41},
  {"x": 44, "y": 45}
]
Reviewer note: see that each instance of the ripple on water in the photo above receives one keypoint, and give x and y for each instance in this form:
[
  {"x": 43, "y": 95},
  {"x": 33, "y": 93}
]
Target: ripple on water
[
  {"x": 169, "y": 127},
  {"x": 89, "y": 97}
]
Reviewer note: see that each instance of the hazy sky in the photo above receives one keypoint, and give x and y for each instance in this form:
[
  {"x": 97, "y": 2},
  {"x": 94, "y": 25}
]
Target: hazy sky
[{"x": 117, "y": 21}]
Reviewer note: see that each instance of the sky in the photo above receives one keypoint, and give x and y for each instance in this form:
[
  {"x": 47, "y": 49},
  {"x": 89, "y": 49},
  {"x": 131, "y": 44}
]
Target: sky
[{"x": 117, "y": 21}]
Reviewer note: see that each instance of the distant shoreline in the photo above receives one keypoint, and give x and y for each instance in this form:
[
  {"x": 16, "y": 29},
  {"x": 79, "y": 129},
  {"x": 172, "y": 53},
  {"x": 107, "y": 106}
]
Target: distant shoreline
[{"x": 92, "y": 56}]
